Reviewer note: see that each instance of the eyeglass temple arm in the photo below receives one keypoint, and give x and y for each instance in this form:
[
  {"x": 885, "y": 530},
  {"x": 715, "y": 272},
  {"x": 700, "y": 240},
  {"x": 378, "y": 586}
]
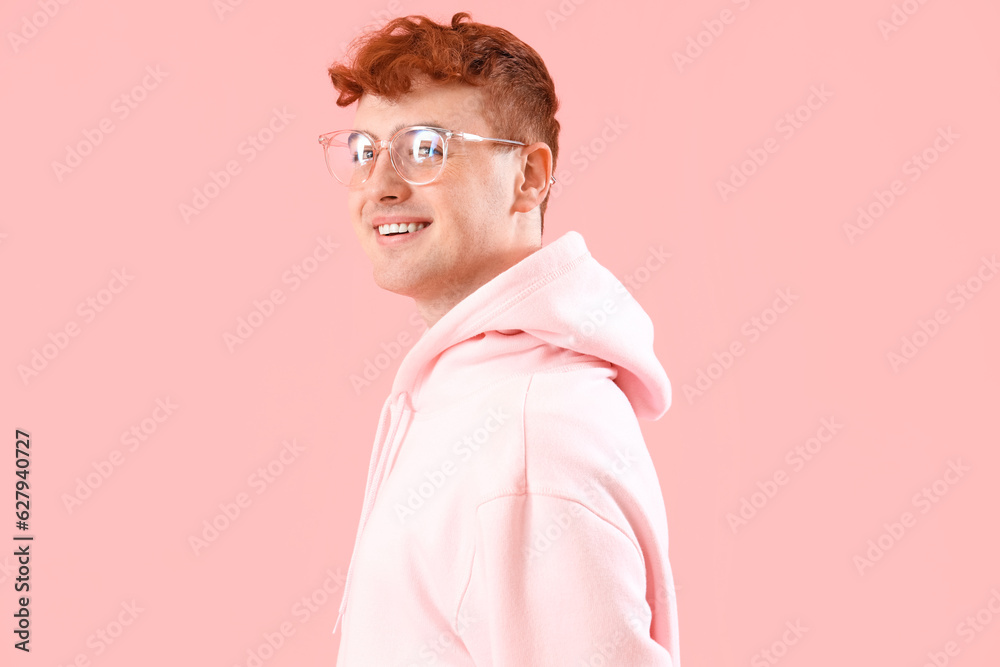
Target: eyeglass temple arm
[{"x": 475, "y": 137}]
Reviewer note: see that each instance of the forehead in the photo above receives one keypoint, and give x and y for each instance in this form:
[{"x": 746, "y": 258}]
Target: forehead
[{"x": 453, "y": 106}]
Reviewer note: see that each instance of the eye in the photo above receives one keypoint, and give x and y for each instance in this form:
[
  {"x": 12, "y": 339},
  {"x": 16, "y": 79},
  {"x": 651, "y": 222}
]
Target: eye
[
  {"x": 361, "y": 148},
  {"x": 421, "y": 145},
  {"x": 428, "y": 147}
]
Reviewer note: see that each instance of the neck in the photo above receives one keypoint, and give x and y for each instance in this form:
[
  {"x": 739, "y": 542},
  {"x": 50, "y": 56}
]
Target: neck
[{"x": 433, "y": 308}]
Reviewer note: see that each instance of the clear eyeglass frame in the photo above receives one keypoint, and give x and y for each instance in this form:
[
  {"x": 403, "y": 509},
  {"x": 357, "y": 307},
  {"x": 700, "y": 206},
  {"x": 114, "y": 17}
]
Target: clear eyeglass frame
[{"x": 329, "y": 142}]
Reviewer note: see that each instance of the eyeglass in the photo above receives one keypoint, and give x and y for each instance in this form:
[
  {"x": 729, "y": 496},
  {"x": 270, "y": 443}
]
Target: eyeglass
[{"x": 417, "y": 153}]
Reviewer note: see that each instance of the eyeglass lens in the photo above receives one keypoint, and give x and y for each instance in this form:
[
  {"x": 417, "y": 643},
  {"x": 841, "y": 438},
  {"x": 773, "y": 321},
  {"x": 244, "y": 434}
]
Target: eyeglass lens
[{"x": 418, "y": 155}]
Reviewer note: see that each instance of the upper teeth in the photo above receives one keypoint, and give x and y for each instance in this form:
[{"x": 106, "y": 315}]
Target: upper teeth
[{"x": 395, "y": 229}]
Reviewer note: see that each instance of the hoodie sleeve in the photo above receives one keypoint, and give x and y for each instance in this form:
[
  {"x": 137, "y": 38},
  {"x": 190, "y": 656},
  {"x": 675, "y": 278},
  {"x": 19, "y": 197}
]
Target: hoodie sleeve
[{"x": 554, "y": 583}]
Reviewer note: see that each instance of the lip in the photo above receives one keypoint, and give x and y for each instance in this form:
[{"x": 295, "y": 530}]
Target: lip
[{"x": 399, "y": 220}]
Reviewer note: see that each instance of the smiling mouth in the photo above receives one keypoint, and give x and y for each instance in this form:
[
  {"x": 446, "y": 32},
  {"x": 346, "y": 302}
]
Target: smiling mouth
[{"x": 395, "y": 229}]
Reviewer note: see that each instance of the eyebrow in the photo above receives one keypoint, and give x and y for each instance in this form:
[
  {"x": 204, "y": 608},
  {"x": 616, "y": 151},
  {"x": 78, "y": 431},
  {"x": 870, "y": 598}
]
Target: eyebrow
[{"x": 400, "y": 126}]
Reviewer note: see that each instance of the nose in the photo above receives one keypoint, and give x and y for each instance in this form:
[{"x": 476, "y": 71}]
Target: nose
[{"x": 383, "y": 181}]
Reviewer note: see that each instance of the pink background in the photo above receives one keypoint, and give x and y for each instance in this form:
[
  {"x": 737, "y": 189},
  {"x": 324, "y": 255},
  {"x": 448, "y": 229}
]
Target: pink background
[{"x": 675, "y": 132}]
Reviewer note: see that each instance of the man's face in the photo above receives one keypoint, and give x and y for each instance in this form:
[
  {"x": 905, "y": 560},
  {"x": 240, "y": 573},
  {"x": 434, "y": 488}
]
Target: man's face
[{"x": 471, "y": 235}]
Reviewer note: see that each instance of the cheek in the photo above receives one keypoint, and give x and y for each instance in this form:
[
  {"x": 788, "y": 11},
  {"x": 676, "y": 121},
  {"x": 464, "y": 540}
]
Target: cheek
[
  {"x": 355, "y": 202},
  {"x": 495, "y": 191},
  {"x": 499, "y": 175},
  {"x": 483, "y": 181},
  {"x": 354, "y": 205}
]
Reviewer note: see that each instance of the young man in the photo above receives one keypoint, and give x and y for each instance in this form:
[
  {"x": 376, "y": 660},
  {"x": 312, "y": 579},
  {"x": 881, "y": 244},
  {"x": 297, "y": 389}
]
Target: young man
[{"x": 512, "y": 514}]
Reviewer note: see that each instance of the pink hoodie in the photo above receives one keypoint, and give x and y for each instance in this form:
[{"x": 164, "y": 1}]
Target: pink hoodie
[{"x": 512, "y": 514}]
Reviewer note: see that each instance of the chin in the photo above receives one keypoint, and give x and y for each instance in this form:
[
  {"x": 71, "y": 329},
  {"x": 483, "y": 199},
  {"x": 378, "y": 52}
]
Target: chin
[{"x": 401, "y": 285}]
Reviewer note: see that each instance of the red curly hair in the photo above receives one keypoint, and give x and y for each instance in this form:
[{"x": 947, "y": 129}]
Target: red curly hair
[{"x": 519, "y": 98}]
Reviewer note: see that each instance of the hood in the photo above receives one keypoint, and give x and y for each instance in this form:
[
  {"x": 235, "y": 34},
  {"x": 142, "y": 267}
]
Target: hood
[{"x": 562, "y": 296}]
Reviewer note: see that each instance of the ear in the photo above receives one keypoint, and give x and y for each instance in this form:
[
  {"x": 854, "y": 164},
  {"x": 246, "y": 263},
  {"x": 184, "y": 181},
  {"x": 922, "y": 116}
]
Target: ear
[{"x": 534, "y": 178}]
